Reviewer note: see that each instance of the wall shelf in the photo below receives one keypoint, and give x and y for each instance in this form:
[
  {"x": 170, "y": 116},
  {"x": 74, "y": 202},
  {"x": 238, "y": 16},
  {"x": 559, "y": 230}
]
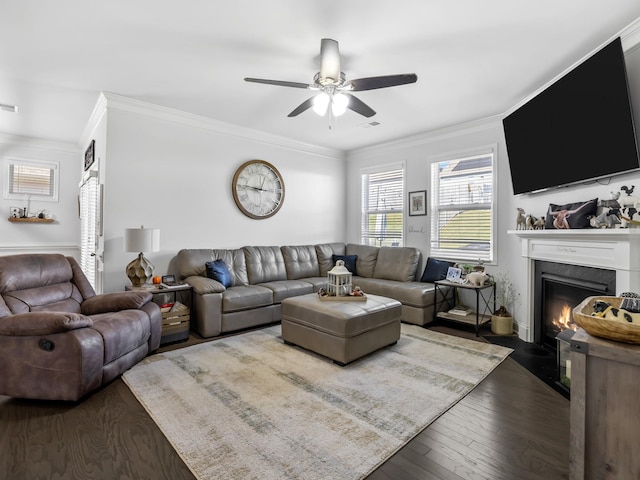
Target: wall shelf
[{"x": 30, "y": 220}]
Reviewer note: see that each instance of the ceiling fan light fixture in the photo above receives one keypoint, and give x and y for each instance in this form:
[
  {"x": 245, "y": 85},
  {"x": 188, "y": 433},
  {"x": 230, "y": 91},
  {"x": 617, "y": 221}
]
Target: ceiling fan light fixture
[
  {"x": 339, "y": 104},
  {"x": 321, "y": 103}
]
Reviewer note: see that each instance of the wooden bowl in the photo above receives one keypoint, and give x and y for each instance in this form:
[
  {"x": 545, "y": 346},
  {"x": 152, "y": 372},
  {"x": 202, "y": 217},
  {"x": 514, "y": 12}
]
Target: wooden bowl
[{"x": 602, "y": 327}]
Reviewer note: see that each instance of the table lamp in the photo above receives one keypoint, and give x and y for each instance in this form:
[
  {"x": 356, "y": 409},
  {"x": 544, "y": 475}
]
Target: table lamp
[{"x": 140, "y": 270}]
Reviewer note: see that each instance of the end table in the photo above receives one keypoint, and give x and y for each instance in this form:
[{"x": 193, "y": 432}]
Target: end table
[{"x": 175, "y": 325}]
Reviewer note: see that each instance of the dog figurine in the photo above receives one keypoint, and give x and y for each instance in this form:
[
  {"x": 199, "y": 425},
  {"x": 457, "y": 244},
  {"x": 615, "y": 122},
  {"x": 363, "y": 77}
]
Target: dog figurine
[{"x": 477, "y": 278}]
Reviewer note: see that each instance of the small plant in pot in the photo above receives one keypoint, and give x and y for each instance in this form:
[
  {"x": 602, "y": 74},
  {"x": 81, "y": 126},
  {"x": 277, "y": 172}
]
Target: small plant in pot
[{"x": 506, "y": 297}]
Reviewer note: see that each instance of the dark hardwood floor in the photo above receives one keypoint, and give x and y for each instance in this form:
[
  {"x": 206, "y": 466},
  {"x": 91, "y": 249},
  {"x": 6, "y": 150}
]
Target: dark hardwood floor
[{"x": 512, "y": 426}]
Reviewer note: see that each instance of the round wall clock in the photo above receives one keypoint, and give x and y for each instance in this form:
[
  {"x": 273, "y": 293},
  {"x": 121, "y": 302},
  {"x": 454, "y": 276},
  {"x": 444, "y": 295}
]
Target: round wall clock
[{"x": 258, "y": 189}]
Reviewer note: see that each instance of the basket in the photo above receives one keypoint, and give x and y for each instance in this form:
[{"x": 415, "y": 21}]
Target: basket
[{"x": 602, "y": 327}]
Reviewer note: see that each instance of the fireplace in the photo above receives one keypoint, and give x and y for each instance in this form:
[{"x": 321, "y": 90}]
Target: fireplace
[
  {"x": 612, "y": 249},
  {"x": 558, "y": 288}
]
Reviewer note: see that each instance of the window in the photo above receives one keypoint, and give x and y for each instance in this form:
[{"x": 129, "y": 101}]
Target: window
[
  {"x": 382, "y": 207},
  {"x": 90, "y": 207},
  {"x": 33, "y": 179},
  {"x": 462, "y": 206}
]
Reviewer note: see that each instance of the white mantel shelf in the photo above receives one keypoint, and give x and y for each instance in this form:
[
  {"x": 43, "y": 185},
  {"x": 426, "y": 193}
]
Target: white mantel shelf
[
  {"x": 612, "y": 249},
  {"x": 584, "y": 234}
]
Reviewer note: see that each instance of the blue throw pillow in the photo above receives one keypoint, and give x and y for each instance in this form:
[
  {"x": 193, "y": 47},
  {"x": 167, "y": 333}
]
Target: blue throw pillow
[
  {"x": 349, "y": 262},
  {"x": 435, "y": 270},
  {"x": 218, "y": 270}
]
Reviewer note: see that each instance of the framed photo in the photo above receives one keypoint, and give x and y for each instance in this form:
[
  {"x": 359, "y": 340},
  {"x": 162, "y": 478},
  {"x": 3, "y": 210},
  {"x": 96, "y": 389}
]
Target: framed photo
[
  {"x": 453, "y": 274},
  {"x": 418, "y": 203},
  {"x": 89, "y": 155}
]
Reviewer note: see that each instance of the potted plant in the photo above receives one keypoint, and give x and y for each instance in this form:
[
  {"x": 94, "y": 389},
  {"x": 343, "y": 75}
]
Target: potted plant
[{"x": 506, "y": 297}]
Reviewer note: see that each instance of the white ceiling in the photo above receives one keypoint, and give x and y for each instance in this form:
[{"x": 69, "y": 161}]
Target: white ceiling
[{"x": 474, "y": 59}]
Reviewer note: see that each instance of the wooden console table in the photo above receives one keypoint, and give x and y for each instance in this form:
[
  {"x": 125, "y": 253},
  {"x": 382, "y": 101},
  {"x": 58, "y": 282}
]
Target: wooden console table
[{"x": 605, "y": 408}]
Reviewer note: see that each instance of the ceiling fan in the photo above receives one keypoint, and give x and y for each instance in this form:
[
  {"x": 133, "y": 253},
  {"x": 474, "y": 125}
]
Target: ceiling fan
[{"x": 334, "y": 88}]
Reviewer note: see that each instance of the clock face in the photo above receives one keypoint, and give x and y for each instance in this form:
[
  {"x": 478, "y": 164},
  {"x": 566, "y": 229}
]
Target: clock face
[{"x": 258, "y": 189}]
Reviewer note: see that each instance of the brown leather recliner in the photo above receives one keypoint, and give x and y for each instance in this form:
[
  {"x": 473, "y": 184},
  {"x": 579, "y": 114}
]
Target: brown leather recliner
[{"x": 58, "y": 339}]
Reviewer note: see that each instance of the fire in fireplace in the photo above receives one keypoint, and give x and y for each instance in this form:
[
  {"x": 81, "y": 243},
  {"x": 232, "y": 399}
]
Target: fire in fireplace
[{"x": 558, "y": 288}]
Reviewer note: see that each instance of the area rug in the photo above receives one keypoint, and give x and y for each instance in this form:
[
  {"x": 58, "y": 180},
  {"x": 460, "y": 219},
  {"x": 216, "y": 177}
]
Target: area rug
[{"x": 251, "y": 407}]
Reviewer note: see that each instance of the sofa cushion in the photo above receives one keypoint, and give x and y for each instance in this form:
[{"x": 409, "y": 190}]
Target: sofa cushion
[
  {"x": 218, "y": 270},
  {"x": 246, "y": 297},
  {"x": 34, "y": 271},
  {"x": 300, "y": 261},
  {"x": 435, "y": 270},
  {"x": 350, "y": 262},
  {"x": 264, "y": 264},
  {"x": 288, "y": 288},
  {"x": 415, "y": 294},
  {"x": 4, "y": 309},
  {"x": 325, "y": 253},
  {"x": 367, "y": 256},
  {"x": 571, "y": 215},
  {"x": 192, "y": 262},
  {"x": 397, "y": 263},
  {"x": 59, "y": 297}
]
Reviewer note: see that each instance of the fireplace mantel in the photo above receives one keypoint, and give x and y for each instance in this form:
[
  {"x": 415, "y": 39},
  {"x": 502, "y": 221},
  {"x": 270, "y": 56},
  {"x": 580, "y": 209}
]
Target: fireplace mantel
[{"x": 613, "y": 249}]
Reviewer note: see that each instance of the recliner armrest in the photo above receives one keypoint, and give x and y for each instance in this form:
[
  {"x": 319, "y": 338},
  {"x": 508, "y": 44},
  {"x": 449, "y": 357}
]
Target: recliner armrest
[
  {"x": 42, "y": 323},
  {"x": 115, "y": 301}
]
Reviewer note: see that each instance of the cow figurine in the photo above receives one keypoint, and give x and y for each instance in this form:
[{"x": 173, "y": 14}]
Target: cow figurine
[
  {"x": 629, "y": 216},
  {"x": 539, "y": 224},
  {"x": 604, "y": 309}
]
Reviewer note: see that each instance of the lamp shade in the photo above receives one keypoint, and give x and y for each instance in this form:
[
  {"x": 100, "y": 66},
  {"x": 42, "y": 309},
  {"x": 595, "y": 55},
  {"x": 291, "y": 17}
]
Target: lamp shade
[{"x": 142, "y": 239}]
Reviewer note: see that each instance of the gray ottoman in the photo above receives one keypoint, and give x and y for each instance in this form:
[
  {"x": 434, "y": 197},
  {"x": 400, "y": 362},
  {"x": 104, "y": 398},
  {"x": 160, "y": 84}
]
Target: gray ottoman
[{"x": 341, "y": 330}]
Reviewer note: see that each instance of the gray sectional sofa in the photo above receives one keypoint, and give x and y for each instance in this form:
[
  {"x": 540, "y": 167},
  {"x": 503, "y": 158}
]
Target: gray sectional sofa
[{"x": 261, "y": 277}]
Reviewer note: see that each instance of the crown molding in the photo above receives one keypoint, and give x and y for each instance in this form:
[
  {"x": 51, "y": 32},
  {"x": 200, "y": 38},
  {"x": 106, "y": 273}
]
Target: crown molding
[
  {"x": 431, "y": 136},
  {"x": 630, "y": 37},
  {"x": 149, "y": 110},
  {"x": 38, "y": 143},
  {"x": 99, "y": 111}
]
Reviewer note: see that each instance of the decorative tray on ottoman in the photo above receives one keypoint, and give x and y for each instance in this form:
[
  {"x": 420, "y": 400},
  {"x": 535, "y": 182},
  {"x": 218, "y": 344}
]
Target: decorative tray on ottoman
[
  {"x": 344, "y": 298},
  {"x": 603, "y": 327}
]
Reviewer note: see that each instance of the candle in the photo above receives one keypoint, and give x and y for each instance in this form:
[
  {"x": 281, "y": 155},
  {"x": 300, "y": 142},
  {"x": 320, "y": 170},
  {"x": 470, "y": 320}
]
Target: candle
[{"x": 569, "y": 369}]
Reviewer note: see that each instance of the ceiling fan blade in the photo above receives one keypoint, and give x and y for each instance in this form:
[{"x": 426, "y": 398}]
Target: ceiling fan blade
[
  {"x": 281, "y": 83},
  {"x": 371, "y": 83},
  {"x": 359, "y": 106},
  {"x": 329, "y": 60},
  {"x": 307, "y": 104}
]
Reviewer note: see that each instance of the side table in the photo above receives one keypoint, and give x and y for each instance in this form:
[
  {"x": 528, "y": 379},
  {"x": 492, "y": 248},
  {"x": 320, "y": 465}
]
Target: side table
[
  {"x": 485, "y": 294},
  {"x": 175, "y": 324}
]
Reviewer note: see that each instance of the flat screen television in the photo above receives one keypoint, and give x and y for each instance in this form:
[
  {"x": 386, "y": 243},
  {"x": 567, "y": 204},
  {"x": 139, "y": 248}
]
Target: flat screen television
[{"x": 579, "y": 129}]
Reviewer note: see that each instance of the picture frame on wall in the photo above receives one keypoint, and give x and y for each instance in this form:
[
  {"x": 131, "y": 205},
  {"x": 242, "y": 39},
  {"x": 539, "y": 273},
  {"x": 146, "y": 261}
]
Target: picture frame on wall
[
  {"x": 418, "y": 203},
  {"x": 89, "y": 155}
]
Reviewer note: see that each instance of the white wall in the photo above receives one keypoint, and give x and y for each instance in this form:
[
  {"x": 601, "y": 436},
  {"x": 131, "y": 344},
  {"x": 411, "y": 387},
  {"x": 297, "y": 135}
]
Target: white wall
[
  {"x": 60, "y": 236},
  {"x": 173, "y": 171},
  {"x": 418, "y": 152}
]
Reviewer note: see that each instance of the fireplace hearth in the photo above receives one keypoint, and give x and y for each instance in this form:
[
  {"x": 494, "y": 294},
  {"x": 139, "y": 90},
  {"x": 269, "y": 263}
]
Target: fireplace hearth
[{"x": 558, "y": 288}]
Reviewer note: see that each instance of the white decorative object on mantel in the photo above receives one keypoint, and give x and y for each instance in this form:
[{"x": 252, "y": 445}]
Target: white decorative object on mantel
[{"x": 613, "y": 249}]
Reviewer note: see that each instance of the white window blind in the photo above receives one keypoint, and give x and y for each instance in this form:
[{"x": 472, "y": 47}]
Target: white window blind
[
  {"x": 89, "y": 192},
  {"x": 382, "y": 208},
  {"x": 32, "y": 179},
  {"x": 462, "y": 204}
]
